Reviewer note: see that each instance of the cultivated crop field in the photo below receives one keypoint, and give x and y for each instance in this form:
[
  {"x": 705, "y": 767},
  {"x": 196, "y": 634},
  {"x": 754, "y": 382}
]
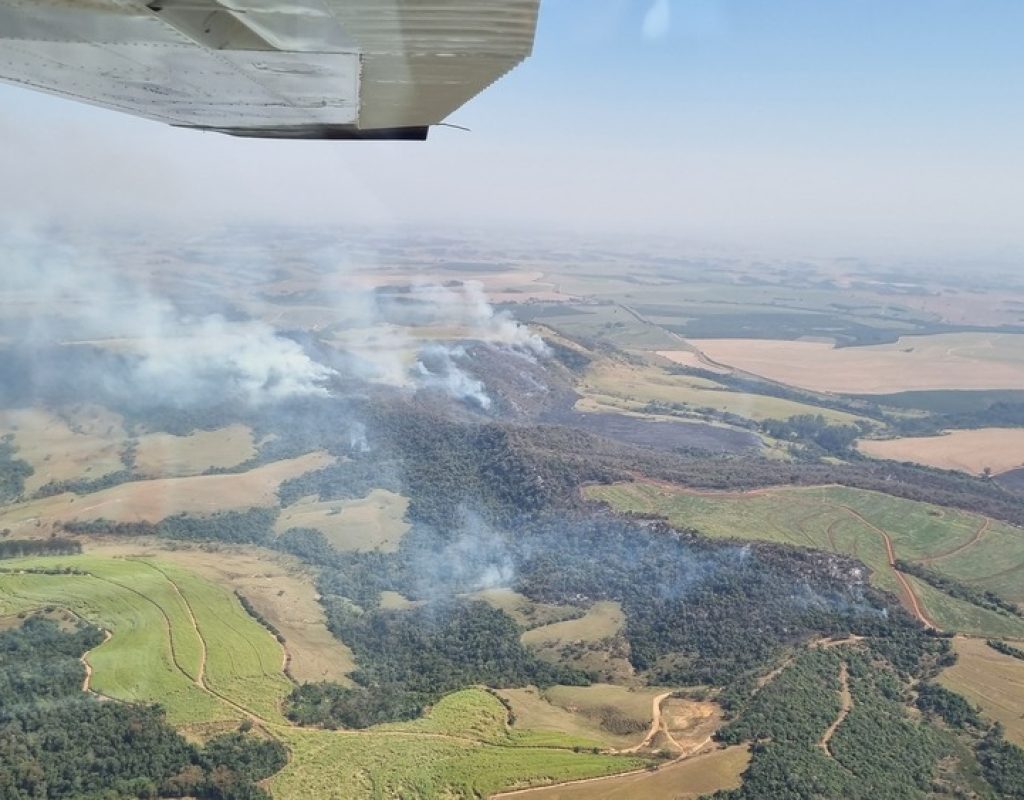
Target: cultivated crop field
[
  {"x": 991, "y": 680},
  {"x": 974, "y": 451},
  {"x": 940, "y": 361},
  {"x": 176, "y": 639},
  {"x": 278, "y": 586},
  {"x": 186, "y": 643},
  {"x": 461, "y": 749},
  {"x": 983, "y": 553}
]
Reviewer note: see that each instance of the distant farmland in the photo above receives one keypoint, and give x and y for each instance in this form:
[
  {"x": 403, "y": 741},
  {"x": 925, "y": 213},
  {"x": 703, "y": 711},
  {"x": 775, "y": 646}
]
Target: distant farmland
[
  {"x": 981, "y": 553},
  {"x": 996, "y": 449},
  {"x": 914, "y": 363}
]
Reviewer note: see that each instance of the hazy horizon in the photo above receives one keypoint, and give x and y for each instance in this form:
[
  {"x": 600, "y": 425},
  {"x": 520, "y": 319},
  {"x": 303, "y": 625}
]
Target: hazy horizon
[{"x": 803, "y": 128}]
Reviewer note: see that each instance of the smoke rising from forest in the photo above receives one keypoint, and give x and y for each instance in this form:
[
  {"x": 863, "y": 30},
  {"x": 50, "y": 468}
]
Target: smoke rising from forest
[{"x": 206, "y": 349}]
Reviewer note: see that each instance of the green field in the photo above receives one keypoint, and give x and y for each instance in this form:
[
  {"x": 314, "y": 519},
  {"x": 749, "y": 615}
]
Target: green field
[
  {"x": 462, "y": 749},
  {"x": 984, "y": 554},
  {"x": 176, "y": 639},
  {"x": 186, "y": 643}
]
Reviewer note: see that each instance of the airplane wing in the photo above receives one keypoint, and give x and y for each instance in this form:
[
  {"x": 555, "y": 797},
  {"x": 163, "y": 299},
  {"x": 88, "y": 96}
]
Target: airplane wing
[{"x": 304, "y": 69}]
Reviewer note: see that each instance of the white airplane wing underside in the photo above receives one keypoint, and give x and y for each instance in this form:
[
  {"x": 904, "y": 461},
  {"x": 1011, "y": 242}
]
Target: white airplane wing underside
[{"x": 323, "y": 69}]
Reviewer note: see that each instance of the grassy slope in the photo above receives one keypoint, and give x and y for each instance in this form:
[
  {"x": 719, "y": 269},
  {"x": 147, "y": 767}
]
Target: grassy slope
[
  {"x": 463, "y": 749},
  {"x": 842, "y": 519}
]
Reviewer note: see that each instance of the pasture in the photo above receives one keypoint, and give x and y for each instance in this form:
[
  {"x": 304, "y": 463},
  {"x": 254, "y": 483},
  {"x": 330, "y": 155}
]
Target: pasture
[
  {"x": 974, "y": 451},
  {"x": 176, "y": 639},
  {"x": 914, "y": 363},
  {"x": 154, "y": 500},
  {"x": 985, "y": 554},
  {"x": 991, "y": 680},
  {"x": 163, "y": 455},
  {"x": 84, "y": 445},
  {"x": 631, "y": 387},
  {"x": 374, "y": 522}
]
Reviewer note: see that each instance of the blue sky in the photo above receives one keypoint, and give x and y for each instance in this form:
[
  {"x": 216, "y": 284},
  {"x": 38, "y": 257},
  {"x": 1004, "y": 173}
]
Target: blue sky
[{"x": 825, "y": 127}]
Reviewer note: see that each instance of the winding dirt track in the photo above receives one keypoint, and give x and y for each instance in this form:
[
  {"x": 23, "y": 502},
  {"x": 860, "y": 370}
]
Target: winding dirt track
[
  {"x": 909, "y": 597},
  {"x": 846, "y": 706},
  {"x": 87, "y": 681},
  {"x": 978, "y": 534},
  {"x": 656, "y": 725},
  {"x": 908, "y": 590}
]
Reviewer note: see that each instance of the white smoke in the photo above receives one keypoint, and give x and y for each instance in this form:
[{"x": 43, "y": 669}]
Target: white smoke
[
  {"x": 72, "y": 296},
  {"x": 437, "y": 368}
]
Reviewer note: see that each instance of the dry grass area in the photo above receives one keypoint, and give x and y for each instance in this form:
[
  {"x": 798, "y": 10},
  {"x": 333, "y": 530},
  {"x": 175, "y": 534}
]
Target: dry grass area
[
  {"x": 603, "y": 619},
  {"x": 163, "y": 455},
  {"x": 594, "y": 642},
  {"x": 991, "y": 680},
  {"x": 999, "y": 449},
  {"x": 375, "y": 522},
  {"x": 278, "y": 586},
  {"x": 152, "y": 501},
  {"x": 393, "y": 601},
  {"x": 616, "y": 386},
  {"x": 526, "y": 612},
  {"x": 85, "y": 444},
  {"x": 942, "y": 361},
  {"x": 680, "y": 780}
]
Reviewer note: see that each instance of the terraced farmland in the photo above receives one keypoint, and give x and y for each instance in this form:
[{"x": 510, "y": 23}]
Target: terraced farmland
[{"x": 876, "y": 528}]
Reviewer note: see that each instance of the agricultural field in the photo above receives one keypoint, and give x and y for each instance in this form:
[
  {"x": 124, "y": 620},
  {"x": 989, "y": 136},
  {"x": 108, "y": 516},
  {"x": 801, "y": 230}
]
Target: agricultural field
[
  {"x": 462, "y": 748},
  {"x": 976, "y": 451},
  {"x": 991, "y": 680},
  {"x": 942, "y": 361},
  {"x": 185, "y": 642},
  {"x": 619, "y": 385},
  {"x": 278, "y": 586},
  {"x": 163, "y": 455},
  {"x": 682, "y": 780},
  {"x": 374, "y": 522},
  {"x": 154, "y": 500},
  {"x": 175, "y": 638},
  {"x": 84, "y": 445},
  {"x": 982, "y": 553}
]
